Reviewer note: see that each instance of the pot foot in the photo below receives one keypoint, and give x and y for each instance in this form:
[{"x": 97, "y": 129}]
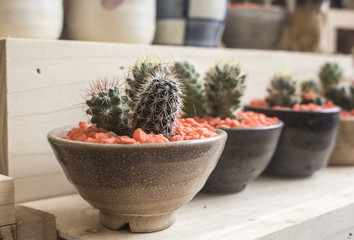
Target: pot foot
[{"x": 138, "y": 223}]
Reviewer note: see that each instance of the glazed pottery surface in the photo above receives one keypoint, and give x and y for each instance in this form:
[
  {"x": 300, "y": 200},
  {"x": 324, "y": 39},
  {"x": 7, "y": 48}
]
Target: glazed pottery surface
[
  {"x": 343, "y": 153},
  {"x": 306, "y": 142},
  {"x": 246, "y": 154},
  {"x": 142, "y": 184}
]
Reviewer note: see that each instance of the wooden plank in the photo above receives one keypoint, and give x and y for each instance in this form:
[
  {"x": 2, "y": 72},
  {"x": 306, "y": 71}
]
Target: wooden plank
[
  {"x": 50, "y": 75},
  {"x": 3, "y": 110},
  {"x": 7, "y": 201},
  {"x": 35, "y": 224},
  {"x": 319, "y": 207},
  {"x": 8, "y": 232}
]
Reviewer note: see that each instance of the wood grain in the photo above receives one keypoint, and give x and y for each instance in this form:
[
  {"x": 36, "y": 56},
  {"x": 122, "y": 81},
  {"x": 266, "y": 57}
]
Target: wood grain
[
  {"x": 35, "y": 224},
  {"x": 319, "y": 207},
  {"x": 44, "y": 79},
  {"x": 8, "y": 232},
  {"x": 7, "y": 201}
]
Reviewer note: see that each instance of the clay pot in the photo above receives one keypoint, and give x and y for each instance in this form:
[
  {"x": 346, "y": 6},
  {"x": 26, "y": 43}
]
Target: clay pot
[
  {"x": 31, "y": 18},
  {"x": 111, "y": 20},
  {"x": 142, "y": 184},
  {"x": 343, "y": 153},
  {"x": 246, "y": 154},
  {"x": 306, "y": 142}
]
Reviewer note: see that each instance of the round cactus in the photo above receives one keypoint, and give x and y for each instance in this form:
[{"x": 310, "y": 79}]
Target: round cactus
[
  {"x": 107, "y": 108},
  {"x": 330, "y": 75},
  {"x": 224, "y": 86},
  {"x": 310, "y": 92},
  {"x": 194, "y": 101},
  {"x": 159, "y": 103},
  {"x": 282, "y": 91},
  {"x": 342, "y": 96}
]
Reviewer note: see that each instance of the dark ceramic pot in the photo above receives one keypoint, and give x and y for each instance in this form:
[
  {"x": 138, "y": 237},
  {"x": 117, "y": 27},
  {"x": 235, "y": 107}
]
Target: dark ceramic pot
[
  {"x": 306, "y": 142},
  {"x": 246, "y": 154},
  {"x": 142, "y": 184}
]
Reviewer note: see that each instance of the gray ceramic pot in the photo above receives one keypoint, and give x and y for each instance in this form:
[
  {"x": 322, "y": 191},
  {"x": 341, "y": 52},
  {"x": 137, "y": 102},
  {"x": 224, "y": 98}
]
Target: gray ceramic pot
[
  {"x": 140, "y": 185},
  {"x": 246, "y": 154},
  {"x": 306, "y": 142},
  {"x": 343, "y": 153}
]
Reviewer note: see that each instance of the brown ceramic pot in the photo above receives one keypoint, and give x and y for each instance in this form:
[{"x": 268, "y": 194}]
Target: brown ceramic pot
[
  {"x": 343, "y": 153},
  {"x": 141, "y": 185}
]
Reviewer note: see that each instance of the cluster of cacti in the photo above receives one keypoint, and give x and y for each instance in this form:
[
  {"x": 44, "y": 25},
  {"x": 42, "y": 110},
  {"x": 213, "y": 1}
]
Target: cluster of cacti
[
  {"x": 224, "y": 86},
  {"x": 311, "y": 93},
  {"x": 153, "y": 101},
  {"x": 194, "y": 101},
  {"x": 282, "y": 90},
  {"x": 334, "y": 88},
  {"x": 108, "y": 109}
]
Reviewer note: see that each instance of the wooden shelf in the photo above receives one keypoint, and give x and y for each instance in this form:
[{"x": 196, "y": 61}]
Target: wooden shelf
[{"x": 319, "y": 207}]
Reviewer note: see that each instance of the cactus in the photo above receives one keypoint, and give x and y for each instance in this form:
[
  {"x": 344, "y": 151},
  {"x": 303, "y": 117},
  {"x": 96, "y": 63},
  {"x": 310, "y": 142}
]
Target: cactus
[
  {"x": 106, "y": 106},
  {"x": 194, "y": 102},
  {"x": 310, "y": 93},
  {"x": 342, "y": 96},
  {"x": 282, "y": 91},
  {"x": 224, "y": 86},
  {"x": 140, "y": 72},
  {"x": 159, "y": 103},
  {"x": 330, "y": 76}
]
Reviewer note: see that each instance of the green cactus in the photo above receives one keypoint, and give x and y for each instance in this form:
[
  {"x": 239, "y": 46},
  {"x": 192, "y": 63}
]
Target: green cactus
[
  {"x": 194, "y": 101},
  {"x": 224, "y": 86},
  {"x": 330, "y": 76},
  {"x": 342, "y": 96},
  {"x": 282, "y": 91},
  {"x": 106, "y": 106},
  {"x": 311, "y": 93},
  {"x": 159, "y": 103},
  {"x": 140, "y": 72}
]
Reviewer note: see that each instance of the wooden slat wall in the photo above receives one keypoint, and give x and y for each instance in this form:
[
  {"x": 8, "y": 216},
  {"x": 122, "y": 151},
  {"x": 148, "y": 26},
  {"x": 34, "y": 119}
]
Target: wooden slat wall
[{"x": 44, "y": 79}]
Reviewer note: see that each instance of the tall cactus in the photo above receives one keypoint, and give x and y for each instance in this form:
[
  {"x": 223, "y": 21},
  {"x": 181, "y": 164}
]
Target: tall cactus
[
  {"x": 282, "y": 90},
  {"x": 107, "y": 107},
  {"x": 159, "y": 103},
  {"x": 194, "y": 101},
  {"x": 330, "y": 75},
  {"x": 224, "y": 86}
]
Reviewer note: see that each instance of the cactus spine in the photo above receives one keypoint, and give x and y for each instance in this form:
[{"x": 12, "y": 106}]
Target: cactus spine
[
  {"x": 224, "y": 86},
  {"x": 194, "y": 102},
  {"x": 282, "y": 91},
  {"x": 107, "y": 107},
  {"x": 159, "y": 103}
]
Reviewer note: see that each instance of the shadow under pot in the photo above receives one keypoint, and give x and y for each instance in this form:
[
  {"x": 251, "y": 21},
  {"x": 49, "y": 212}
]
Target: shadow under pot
[
  {"x": 140, "y": 185},
  {"x": 306, "y": 142},
  {"x": 246, "y": 154},
  {"x": 343, "y": 153}
]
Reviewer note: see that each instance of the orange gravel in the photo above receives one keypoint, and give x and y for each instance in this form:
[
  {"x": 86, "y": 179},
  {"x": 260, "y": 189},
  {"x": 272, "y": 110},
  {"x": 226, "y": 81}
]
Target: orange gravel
[
  {"x": 346, "y": 113},
  {"x": 244, "y": 120},
  {"x": 186, "y": 129}
]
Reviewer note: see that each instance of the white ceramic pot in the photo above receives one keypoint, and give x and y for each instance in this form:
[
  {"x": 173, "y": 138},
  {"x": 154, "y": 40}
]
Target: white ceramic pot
[
  {"x": 343, "y": 153},
  {"x": 31, "y": 18},
  {"x": 125, "y": 21}
]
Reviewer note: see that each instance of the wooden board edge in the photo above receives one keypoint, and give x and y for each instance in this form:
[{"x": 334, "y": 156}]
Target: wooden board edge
[{"x": 3, "y": 110}]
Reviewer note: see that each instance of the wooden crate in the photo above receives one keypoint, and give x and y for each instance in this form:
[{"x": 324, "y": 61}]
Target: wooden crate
[{"x": 41, "y": 82}]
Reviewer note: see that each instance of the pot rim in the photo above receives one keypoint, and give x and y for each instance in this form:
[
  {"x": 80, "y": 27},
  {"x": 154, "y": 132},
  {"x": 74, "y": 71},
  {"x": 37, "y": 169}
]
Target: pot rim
[
  {"x": 347, "y": 119},
  {"x": 54, "y": 135},
  {"x": 280, "y": 124},
  {"x": 327, "y": 110}
]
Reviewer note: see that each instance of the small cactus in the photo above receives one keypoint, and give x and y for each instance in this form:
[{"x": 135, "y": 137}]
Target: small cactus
[
  {"x": 106, "y": 106},
  {"x": 194, "y": 102},
  {"x": 159, "y": 103},
  {"x": 330, "y": 76},
  {"x": 282, "y": 91},
  {"x": 310, "y": 93},
  {"x": 342, "y": 96},
  {"x": 224, "y": 86}
]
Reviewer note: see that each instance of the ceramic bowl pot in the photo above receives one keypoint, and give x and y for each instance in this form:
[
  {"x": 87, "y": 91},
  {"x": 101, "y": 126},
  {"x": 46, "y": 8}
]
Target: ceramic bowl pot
[
  {"x": 306, "y": 142},
  {"x": 246, "y": 154},
  {"x": 141, "y": 185},
  {"x": 343, "y": 153}
]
